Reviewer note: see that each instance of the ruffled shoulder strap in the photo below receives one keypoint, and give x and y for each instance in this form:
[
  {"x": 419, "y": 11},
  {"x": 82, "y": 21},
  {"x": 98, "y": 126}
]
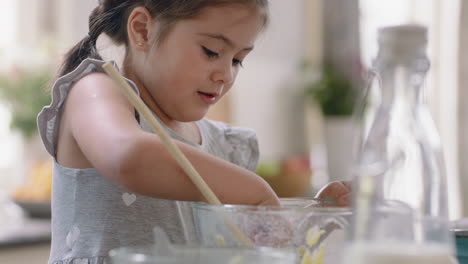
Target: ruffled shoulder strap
[
  {"x": 238, "y": 145},
  {"x": 245, "y": 145}
]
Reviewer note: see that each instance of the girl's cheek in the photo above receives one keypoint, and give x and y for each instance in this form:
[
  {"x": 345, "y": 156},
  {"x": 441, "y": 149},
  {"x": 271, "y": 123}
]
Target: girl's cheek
[
  {"x": 226, "y": 89},
  {"x": 234, "y": 78}
]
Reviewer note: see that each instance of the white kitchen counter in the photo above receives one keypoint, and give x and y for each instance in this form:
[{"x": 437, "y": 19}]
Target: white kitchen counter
[{"x": 28, "y": 243}]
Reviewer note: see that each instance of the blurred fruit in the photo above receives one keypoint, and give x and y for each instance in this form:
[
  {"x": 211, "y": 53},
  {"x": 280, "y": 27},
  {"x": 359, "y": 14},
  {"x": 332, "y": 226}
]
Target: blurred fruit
[
  {"x": 289, "y": 177},
  {"x": 296, "y": 164},
  {"x": 269, "y": 169},
  {"x": 38, "y": 185}
]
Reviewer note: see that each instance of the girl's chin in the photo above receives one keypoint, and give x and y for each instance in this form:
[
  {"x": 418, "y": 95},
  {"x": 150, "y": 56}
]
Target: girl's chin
[{"x": 194, "y": 116}]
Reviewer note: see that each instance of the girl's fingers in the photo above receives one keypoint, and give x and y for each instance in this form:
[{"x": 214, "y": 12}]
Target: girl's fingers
[
  {"x": 334, "y": 190},
  {"x": 340, "y": 190},
  {"x": 344, "y": 200},
  {"x": 347, "y": 184}
]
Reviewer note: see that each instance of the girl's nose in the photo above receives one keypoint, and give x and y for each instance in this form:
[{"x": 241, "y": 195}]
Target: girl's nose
[{"x": 224, "y": 73}]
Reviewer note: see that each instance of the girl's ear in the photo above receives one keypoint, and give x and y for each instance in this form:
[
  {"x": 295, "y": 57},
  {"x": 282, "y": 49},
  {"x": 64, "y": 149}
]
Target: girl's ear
[{"x": 139, "y": 27}]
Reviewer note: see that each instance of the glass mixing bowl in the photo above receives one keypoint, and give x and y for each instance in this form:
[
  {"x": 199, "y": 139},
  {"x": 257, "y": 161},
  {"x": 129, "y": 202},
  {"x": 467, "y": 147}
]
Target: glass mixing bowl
[
  {"x": 316, "y": 231},
  {"x": 202, "y": 255}
]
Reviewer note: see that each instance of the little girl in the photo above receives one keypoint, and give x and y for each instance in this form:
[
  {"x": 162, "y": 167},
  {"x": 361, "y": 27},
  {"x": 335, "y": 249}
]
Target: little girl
[{"x": 113, "y": 179}]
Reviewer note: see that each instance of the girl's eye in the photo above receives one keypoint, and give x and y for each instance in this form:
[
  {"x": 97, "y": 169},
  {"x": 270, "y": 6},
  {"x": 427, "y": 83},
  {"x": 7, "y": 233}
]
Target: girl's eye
[
  {"x": 210, "y": 53},
  {"x": 236, "y": 62}
]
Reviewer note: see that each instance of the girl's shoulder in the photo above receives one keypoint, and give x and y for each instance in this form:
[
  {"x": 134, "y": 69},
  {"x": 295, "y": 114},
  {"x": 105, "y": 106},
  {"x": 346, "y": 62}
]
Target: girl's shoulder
[
  {"x": 229, "y": 131},
  {"x": 48, "y": 120}
]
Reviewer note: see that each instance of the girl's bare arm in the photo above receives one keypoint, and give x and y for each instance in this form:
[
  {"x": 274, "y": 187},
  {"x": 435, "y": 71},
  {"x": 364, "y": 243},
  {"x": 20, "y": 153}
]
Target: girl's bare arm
[{"x": 103, "y": 124}]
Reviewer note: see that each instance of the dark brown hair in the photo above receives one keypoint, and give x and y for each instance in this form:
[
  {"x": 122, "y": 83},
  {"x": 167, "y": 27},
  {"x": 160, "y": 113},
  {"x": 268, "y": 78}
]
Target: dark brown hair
[{"x": 111, "y": 16}]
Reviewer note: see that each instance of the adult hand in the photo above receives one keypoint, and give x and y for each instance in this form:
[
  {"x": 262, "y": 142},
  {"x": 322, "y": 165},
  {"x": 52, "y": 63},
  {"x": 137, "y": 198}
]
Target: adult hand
[{"x": 338, "y": 190}]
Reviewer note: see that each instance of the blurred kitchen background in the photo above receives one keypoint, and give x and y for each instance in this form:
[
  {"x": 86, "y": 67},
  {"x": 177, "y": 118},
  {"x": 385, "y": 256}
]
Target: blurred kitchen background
[{"x": 304, "y": 136}]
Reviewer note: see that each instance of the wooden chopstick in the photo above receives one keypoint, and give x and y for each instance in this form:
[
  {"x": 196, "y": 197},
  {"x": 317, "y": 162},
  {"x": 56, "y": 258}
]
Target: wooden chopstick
[{"x": 165, "y": 138}]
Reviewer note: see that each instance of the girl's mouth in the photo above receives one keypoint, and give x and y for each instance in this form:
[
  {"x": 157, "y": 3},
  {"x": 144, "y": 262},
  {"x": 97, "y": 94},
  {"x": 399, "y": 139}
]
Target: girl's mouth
[{"x": 208, "y": 98}]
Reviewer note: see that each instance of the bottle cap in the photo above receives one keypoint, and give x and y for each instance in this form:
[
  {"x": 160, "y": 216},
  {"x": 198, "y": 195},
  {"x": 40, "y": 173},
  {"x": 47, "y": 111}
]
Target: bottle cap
[{"x": 403, "y": 40}]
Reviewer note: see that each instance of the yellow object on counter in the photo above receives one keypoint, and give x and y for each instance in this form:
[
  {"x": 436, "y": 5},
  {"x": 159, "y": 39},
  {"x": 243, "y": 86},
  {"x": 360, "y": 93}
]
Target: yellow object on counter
[
  {"x": 220, "y": 240},
  {"x": 307, "y": 258},
  {"x": 301, "y": 251},
  {"x": 313, "y": 235},
  {"x": 38, "y": 184},
  {"x": 316, "y": 257}
]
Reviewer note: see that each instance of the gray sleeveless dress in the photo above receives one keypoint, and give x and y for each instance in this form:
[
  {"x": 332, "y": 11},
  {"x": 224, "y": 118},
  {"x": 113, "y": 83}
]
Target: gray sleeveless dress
[{"x": 91, "y": 215}]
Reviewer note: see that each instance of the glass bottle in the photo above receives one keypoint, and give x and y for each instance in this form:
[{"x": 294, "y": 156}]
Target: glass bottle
[{"x": 400, "y": 203}]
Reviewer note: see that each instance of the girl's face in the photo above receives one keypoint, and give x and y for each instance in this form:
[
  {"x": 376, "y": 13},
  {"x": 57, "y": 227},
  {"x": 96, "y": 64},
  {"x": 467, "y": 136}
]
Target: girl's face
[{"x": 198, "y": 60}]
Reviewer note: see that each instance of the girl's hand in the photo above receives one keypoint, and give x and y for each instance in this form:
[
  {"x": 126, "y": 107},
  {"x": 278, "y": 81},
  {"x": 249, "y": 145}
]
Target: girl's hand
[{"x": 339, "y": 190}]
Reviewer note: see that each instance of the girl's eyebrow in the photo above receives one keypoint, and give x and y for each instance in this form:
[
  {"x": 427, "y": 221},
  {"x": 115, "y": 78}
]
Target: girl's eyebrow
[{"x": 225, "y": 39}]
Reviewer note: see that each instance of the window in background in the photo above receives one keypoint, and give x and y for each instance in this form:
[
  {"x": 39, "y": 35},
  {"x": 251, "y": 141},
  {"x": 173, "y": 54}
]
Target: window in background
[
  {"x": 26, "y": 47},
  {"x": 441, "y": 18},
  {"x": 10, "y": 142},
  {"x": 8, "y": 28}
]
